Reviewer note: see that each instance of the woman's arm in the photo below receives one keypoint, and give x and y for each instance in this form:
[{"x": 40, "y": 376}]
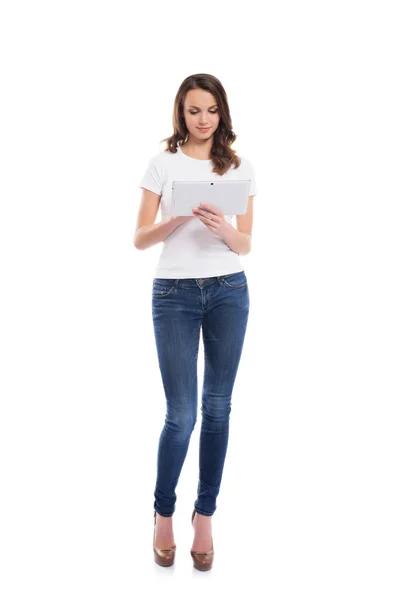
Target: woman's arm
[
  {"x": 238, "y": 242},
  {"x": 240, "y": 239},
  {"x": 148, "y": 233}
]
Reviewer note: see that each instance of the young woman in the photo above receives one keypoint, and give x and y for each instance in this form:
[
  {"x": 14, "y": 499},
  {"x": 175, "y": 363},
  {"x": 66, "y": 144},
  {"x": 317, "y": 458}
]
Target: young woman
[{"x": 199, "y": 284}]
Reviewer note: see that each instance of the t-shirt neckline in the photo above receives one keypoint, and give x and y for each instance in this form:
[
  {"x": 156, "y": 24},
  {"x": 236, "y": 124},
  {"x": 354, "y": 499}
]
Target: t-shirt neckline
[{"x": 201, "y": 160}]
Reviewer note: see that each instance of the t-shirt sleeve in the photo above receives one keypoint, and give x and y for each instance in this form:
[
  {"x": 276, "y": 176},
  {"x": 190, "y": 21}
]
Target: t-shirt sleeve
[
  {"x": 252, "y": 177},
  {"x": 153, "y": 176}
]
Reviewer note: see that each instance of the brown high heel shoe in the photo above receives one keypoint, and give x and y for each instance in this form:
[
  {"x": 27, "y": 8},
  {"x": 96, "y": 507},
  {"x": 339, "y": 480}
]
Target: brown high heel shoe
[
  {"x": 163, "y": 556},
  {"x": 202, "y": 560}
]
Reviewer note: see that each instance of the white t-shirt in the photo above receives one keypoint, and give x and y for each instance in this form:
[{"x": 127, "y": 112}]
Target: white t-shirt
[{"x": 192, "y": 250}]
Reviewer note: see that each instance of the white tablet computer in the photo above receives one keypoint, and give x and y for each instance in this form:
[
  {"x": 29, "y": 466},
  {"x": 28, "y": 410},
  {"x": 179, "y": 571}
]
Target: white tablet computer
[{"x": 230, "y": 196}]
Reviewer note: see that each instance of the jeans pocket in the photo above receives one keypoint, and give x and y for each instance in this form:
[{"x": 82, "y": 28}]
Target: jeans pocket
[
  {"x": 162, "y": 287},
  {"x": 235, "y": 280}
]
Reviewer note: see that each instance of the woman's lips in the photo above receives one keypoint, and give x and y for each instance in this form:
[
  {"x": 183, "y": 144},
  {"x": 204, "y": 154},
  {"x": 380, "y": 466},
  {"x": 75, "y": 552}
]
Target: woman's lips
[{"x": 203, "y": 128}]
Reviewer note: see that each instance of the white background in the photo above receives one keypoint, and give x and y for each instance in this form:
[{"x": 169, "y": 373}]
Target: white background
[{"x": 305, "y": 507}]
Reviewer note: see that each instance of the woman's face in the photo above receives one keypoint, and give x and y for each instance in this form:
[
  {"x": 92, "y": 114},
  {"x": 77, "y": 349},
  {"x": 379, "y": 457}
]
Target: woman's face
[{"x": 201, "y": 111}]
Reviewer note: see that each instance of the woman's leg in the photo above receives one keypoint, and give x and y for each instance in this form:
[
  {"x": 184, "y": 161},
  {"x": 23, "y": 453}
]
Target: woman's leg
[
  {"x": 177, "y": 327},
  {"x": 224, "y": 326}
]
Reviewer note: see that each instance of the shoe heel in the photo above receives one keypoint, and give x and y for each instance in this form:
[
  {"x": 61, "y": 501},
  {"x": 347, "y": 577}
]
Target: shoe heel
[
  {"x": 164, "y": 557},
  {"x": 202, "y": 560}
]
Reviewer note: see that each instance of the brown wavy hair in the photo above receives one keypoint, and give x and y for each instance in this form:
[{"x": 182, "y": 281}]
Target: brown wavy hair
[{"x": 222, "y": 155}]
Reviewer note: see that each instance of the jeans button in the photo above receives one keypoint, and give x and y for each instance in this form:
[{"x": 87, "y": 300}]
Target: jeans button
[{"x": 201, "y": 281}]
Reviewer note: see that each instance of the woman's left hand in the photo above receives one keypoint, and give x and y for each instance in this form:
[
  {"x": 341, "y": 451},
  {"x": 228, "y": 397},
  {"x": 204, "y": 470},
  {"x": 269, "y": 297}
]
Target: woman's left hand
[{"x": 212, "y": 217}]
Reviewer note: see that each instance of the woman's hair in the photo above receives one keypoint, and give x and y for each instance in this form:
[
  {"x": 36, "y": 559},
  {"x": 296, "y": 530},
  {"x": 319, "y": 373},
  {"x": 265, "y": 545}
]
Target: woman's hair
[{"x": 222, "y": 154}]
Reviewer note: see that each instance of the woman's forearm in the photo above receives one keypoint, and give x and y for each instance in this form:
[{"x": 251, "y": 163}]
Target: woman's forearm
[
  {"x": 149, "y": 235},
  {"x": 238, "y": 242}
]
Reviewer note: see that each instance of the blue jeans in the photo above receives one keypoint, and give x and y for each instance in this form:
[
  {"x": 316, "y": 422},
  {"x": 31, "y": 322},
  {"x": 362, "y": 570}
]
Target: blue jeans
[{"x": 179, "y": 308}]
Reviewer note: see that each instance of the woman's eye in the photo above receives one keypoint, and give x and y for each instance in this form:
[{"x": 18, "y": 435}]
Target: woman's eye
[{"x": 195, "y": 112}]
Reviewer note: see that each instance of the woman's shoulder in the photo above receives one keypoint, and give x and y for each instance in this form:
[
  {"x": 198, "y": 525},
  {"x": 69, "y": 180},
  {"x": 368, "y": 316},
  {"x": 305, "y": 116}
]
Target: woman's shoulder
[
  {"x": 162, "y": 158},
  {"x": 247, "y": 171},
  {"x": 245, "y": 162},
  {"x": 245, "y": 166}
]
